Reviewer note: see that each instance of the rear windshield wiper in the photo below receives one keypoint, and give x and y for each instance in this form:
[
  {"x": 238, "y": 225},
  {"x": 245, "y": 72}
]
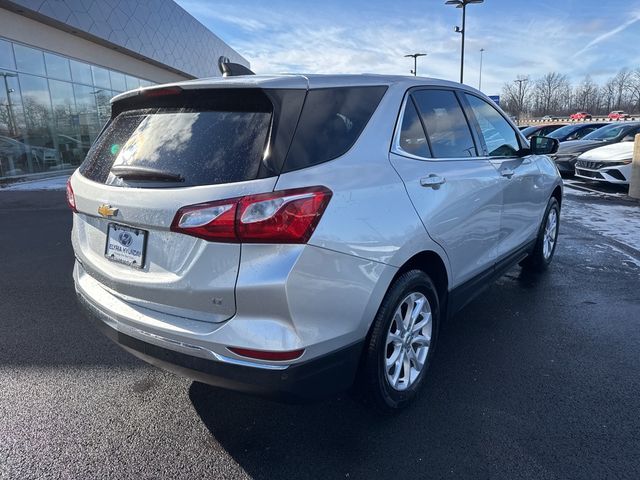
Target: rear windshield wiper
[{"x": 129, "y": 172}]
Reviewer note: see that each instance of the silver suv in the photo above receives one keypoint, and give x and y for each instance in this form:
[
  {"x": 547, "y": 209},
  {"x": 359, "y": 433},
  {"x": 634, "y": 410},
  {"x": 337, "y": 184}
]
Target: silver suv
[{"x": 287, "y": 235}]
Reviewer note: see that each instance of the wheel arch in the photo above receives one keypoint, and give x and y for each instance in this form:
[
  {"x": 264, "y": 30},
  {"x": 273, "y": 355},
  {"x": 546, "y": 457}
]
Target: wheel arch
[
  {"x": 557, "y": 194},
  {"x": 433, "y": 265}
]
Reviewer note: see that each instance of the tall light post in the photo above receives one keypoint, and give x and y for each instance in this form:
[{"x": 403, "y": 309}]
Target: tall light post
[
  {"x": 415, "y": 61},
  {"x": 463, "y": 5},
  {"x": 480, "y": 79},
  {"x": 520, "y": 81},
  {"x": 9, "y": 104}
]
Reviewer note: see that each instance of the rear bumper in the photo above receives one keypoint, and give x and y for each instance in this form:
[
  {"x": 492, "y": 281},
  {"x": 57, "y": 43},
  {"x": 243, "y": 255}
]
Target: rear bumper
[{"x": 318, "y": 378}]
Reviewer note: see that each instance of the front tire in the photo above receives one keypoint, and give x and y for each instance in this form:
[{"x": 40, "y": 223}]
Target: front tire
[
  {"x": 545, "y": 247},
  {"x": 402, "y": 342}
]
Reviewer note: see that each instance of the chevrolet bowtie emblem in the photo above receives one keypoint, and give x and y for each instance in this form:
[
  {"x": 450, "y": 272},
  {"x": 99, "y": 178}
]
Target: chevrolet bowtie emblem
[{"x": 107, "y": 210}]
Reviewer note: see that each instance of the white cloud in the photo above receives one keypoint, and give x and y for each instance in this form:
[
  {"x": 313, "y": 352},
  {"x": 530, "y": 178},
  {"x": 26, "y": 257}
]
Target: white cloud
[
  {"x": 321, "y": 38},
  {"x": 607, "y": 35}
]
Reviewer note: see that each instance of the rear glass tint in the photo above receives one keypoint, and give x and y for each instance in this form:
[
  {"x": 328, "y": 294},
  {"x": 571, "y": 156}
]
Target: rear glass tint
[
  {"x": 332, "y": 119},
  {"x": 203, "y": 148}
]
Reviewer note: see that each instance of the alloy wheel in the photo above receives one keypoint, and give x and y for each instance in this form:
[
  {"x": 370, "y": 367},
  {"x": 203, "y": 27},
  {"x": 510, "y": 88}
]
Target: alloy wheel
[
  {"x": 408, "y": 340},
  {"x": 550, "y": 233}
]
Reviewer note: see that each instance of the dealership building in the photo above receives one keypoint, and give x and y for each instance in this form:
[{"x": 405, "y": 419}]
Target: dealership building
[{"x": 62, "y": 60}]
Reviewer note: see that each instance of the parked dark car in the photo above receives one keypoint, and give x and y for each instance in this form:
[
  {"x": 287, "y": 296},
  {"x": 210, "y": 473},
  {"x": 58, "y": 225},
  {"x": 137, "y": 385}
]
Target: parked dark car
[
  {"x": 541, "y": 130},
  {"x": 568, "y": 152},
  {"x": 575, "y": 131}
]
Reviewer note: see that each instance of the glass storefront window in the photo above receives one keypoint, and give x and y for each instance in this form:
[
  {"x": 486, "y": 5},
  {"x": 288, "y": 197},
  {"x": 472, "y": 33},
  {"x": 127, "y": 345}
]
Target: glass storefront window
[
  {"x": 118, "y": 82},
  {"x": 29, "y": 59},
  {"x": 52, "y": 108},
  {"x": 41, "y": 154},
  {"x": 57, "y": 66},
  {"x": 87, "y": 108},
  {"x": 6, "y": 55},
  {"x": 101, "y": 77},
  {"x": 104, "y": 107},
  {"x": 81, "y": 72},
  {"x": 132, "y": 82}
]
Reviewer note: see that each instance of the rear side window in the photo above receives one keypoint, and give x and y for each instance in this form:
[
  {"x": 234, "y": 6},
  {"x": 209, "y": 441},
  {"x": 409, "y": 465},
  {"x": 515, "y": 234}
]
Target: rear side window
[
  {"x": 331, "y": 121},
  {"x": 446, "y": 125}
]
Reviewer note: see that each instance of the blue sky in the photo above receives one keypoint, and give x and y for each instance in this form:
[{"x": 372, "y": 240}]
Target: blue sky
[{"x": 520, "y": 37}]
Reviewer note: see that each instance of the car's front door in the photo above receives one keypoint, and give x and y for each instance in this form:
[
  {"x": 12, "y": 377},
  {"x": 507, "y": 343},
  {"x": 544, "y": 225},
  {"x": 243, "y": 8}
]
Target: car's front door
[
  {"x": 523, "y": 197},
  {"x": 457, "y": 194}
]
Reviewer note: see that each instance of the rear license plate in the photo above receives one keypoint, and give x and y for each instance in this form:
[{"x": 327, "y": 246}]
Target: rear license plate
[{"x": 126, "y": 245}]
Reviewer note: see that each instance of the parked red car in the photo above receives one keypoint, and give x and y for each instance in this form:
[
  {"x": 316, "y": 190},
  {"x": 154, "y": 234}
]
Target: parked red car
[
  {"x": 618, "y": 115},
  {"x": 580, "y": 116}
]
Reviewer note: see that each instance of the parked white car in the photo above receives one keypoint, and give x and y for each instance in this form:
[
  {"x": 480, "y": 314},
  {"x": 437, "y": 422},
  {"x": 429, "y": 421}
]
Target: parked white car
[{"x": 611, "y": 163}]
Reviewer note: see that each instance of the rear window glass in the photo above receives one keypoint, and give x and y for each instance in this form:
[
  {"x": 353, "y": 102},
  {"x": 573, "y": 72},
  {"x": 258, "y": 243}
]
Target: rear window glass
[
  {"x": 145, "y": 148},
  {"x": 331, "y": 121}
]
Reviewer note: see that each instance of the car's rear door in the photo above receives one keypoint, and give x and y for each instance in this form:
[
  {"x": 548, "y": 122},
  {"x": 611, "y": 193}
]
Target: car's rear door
[
  {"x": 523, "y": 197},
  {"x": 457, "y": 193}
]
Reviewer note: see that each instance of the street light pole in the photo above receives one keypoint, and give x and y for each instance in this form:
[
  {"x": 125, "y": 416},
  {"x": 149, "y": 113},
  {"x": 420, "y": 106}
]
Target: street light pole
[
  {"x": 480, "y": 80},
  {"x": 9, "y": 104},
  {"x": 520, "y": 81},
  {"x": 415, "y": 61},
  {"x": 463, "y": 5}
]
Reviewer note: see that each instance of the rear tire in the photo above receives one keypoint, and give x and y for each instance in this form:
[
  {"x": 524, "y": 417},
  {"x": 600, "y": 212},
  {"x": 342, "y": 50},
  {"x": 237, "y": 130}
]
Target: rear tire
[
  {"x": 540, "y": 258},
  {"x": 402, "y": 342}
]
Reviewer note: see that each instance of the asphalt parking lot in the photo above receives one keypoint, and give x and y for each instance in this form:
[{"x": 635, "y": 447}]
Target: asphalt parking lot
[{"x": 538, "y": 378}]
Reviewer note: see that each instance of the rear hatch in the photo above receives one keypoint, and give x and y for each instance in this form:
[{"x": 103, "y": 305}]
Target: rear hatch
[{"x": 165, "y": 149}]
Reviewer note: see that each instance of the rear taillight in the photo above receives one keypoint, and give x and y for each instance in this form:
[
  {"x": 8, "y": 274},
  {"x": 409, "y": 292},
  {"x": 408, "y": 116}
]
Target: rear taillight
[
  {"x": 288, "y": 216},
  {"x": 71, "y": 198}
]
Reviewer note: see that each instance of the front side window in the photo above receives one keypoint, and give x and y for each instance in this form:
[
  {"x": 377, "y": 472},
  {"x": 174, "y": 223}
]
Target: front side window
[
  {"x": 499, "y": 137},
  {"x": 446, "y": 125}
]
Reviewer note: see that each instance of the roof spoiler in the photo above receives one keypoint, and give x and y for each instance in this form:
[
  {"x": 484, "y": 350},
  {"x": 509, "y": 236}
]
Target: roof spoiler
[{"x": 230, "y": 69}]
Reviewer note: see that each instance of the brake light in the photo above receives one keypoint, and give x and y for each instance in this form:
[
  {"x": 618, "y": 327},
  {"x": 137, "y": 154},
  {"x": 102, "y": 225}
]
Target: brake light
[
  {"x": 266, "y": 354},
  {"x": 288, "y": 216},
  {"x": 71, "y": 198}
]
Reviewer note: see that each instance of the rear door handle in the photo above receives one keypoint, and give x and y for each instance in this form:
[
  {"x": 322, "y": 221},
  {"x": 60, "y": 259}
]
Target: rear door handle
[
  {"x": 507, "y": 172},
  {"x": 432, "y": 181}
]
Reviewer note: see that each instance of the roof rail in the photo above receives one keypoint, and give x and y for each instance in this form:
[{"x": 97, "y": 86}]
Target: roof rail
[{"x": 230, "y": 69}]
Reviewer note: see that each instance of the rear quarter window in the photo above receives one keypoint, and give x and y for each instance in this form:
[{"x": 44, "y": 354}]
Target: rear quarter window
[{"x": 331, "y": 121}]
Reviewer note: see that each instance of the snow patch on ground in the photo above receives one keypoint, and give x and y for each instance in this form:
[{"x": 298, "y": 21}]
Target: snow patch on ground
[
  {"x": 53, "y": 183},
  {"x": 616, "y": 221}
]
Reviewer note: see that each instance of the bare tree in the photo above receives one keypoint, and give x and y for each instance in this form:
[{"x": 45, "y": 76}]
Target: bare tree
[
  {"x": 515, "y": 95},
  {"x": 608, "y": 95},
  {"x": 622, "y": 83},
  {"x": 586, "y": 96},
  {"x": 634, "y": 91},
  {"x": 552, "y": 94}
]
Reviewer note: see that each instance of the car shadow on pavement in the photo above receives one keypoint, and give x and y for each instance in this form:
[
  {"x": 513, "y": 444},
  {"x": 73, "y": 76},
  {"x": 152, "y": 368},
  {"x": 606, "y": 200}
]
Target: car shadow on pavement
[{"x": 473, "y": 410}]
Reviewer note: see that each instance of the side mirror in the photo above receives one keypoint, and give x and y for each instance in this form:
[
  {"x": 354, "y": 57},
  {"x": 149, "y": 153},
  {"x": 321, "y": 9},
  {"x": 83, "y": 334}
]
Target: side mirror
[
  {"x": 629, "y": 138},
  {"x": 543, "y": 145}
]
